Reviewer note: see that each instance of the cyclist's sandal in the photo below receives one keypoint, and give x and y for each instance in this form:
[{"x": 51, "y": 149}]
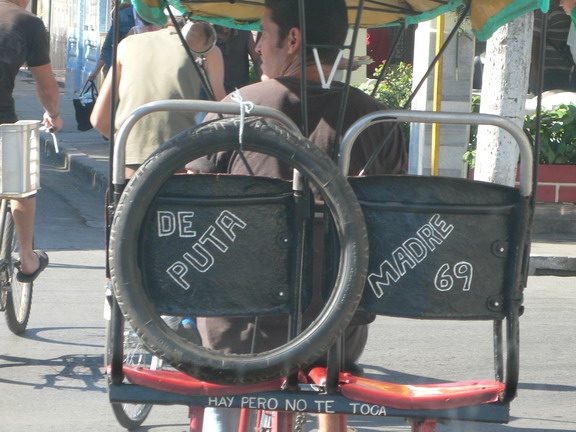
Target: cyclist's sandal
[{"x": 27, "y": 278}]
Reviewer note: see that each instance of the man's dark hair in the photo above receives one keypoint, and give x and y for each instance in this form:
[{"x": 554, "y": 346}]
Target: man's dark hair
[{"x": 326, "y": 22}]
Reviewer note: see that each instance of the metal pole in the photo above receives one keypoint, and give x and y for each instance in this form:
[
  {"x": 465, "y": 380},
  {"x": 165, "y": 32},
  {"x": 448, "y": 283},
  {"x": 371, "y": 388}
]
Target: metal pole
[{"x": 437, "y": 102}]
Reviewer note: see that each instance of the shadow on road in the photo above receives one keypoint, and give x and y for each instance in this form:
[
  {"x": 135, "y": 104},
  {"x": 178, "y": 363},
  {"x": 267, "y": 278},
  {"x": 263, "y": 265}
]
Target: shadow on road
[{"x": 68, "y": 372}]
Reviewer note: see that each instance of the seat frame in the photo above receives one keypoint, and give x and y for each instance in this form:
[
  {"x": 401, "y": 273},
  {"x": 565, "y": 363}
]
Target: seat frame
[{"x": 330, "y": 390}]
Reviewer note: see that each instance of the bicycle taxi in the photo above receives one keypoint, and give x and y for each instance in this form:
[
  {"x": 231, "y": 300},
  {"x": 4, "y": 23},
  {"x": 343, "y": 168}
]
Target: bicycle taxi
[{"x": 427, "y": 248}]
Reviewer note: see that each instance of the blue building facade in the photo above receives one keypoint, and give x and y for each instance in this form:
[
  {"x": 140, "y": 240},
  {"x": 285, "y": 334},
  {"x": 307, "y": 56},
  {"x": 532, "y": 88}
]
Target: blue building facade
[{"x": 77, "y": 29}]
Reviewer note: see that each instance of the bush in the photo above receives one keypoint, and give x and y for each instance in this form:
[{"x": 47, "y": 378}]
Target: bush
[
  {"x": 557, "y": 135},
  {"x": 469, "y": 157},
  {"x": 557, "y": 131},
  {"x": 394, "y": 89}
]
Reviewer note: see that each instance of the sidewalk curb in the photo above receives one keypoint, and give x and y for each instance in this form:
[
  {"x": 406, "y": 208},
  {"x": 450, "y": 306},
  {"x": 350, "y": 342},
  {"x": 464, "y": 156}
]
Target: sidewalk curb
[
  {"x": 25, "y": 73},
  {"x": 77, "y": 162},
  {"x": 552, "y": 266}
]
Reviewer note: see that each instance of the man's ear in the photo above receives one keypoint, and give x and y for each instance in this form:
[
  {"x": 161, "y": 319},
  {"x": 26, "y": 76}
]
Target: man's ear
[{"x": 294, "y": 40}]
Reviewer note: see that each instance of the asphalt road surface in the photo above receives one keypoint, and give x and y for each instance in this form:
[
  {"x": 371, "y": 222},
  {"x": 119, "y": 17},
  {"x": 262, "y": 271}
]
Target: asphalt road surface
[{"x": 51, "y": 377}]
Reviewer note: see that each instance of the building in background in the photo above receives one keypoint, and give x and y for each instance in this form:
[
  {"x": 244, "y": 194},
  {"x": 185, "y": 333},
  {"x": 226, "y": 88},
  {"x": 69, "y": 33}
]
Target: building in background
[{"x": 76, "y": 29}]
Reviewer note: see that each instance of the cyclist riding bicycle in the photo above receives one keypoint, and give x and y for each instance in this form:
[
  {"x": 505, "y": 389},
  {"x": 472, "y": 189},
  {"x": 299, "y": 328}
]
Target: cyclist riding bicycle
[{"x": 24, "y": 40}]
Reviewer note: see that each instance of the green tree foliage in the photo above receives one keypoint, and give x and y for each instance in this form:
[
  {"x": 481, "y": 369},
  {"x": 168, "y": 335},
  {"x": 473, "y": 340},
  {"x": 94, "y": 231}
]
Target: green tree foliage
[
  {"x": 557, "y": 135},
  {"x": 470, "y": 156},
  {"x": 395, "y": 88},
  {"x": 557, "y": 130}
]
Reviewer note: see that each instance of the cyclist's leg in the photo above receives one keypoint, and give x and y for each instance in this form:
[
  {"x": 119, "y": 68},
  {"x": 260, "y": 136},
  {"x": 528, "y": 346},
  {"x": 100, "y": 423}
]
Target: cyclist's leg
[
  {"x": 332, "y": 423},
  {"x": 226, "y": 420},
  {"x": 23, "y": 212},
  {"x": 222, "y": 420},
  {"x": 355, "y": 339}
]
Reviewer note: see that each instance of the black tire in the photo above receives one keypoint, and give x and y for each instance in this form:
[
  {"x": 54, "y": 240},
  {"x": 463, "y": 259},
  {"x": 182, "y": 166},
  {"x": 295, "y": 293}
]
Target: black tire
[
  {"x": 18, "y": 298},
  {"x": 263, "y": 137},
  {"x": 131, "y": 416}
]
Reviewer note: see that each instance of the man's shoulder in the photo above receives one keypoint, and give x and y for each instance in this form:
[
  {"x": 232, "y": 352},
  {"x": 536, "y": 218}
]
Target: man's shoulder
[
  {"x": 287, "y": 87},
  {"x": 22, "y": 24},
  {"x": 264, "y": 89},
  {"x": 24, "y": 18},
  {"x": 146, "y": 37}
]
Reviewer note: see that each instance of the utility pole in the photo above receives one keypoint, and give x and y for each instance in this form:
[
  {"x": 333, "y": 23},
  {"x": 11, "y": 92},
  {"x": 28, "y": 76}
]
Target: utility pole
[{"x": 504, "y": 89}]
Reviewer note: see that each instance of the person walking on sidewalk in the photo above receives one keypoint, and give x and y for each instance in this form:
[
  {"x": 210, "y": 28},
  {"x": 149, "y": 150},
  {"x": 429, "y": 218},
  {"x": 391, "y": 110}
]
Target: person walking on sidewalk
[
  {"x": 24, "y": 40},
  {"x": 127, "y": 18}
]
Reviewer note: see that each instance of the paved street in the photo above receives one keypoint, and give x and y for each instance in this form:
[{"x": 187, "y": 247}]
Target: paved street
[
  {"x": 547, "y": 392},
  {"x": 51, "y": 378}
]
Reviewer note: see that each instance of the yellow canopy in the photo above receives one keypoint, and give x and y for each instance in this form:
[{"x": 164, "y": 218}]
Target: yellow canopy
[{"x": 486, "y": 15}]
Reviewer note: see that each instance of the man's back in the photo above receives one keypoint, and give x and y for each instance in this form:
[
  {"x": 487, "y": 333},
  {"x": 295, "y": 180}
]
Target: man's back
[
  {"x": 23, "y": 39},
  {"x": 323, "y": 109},
  {"x": 280, "y": 49}
]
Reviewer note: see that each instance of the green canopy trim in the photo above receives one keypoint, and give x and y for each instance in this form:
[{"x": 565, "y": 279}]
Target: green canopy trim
[
  {"x": 509, "y": 13},
  {"x": 431, "y": 14},
  {"x": 153, "y": 10},
  {"x": 486, "y": 15}
]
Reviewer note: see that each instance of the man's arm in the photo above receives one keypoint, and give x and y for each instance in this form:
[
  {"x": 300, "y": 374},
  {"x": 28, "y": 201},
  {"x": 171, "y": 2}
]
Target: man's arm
[
  {"x": 48, "y": 95},
  {"x": 215, "y": 70},
  {"x": 569, "y": 7},
  {"x": 97, "y": 69},
  {"x": 106, "y": 50},
  {"x": 100, "y": 117}
]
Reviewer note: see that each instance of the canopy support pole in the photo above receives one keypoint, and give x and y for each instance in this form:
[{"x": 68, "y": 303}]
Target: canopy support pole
[{"x": 437, "y": 101}]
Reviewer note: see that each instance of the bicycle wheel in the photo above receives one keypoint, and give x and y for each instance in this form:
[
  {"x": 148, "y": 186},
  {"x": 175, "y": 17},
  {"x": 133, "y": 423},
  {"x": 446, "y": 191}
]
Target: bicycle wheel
[
  {"x": 131, "y": 416},
  {"x": 17, "y": 296},
  {"x": 261, "y": 137}
]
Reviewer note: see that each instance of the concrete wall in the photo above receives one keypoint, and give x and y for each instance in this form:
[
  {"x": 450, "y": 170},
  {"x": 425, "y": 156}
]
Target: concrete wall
[{"x": 456, "y": 93}]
